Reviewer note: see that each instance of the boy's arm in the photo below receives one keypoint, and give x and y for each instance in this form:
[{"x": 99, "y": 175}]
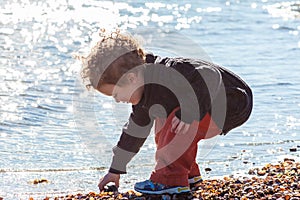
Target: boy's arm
[{"x": 134, "y": 134}]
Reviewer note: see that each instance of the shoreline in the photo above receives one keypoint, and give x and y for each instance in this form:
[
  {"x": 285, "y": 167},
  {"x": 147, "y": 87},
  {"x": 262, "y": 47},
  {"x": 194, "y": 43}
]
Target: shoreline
[{"x": 279, "y": 180}]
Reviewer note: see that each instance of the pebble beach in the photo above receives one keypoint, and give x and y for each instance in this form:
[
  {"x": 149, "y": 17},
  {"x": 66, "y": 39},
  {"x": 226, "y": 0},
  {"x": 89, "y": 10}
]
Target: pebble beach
[
  {"x": 56, "y": 138},
  {"x": 273, "y": 181}
]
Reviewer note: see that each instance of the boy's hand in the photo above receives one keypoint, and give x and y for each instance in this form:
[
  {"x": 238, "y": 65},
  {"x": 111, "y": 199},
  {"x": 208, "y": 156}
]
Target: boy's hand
[
  {"x": 109, "y": 177},
  {"x": 179, "y": 127}
]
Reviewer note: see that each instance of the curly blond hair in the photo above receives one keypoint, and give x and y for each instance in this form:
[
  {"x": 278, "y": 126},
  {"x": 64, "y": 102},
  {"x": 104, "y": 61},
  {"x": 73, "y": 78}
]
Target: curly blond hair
[{"x": 115, "y": 54}]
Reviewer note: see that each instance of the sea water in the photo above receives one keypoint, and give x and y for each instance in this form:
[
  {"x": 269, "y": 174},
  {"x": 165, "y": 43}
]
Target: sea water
[{"x": 52, "y": 128}]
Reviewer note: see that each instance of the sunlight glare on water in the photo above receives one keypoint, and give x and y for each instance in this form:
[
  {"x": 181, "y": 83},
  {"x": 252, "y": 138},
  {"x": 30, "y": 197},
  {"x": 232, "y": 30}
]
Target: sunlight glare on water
[{"x": 51, "y": 127}]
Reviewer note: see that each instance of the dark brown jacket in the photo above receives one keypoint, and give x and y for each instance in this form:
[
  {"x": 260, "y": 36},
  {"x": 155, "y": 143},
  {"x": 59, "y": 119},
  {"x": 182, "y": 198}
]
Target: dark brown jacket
[{"x": 197, "y": 87}]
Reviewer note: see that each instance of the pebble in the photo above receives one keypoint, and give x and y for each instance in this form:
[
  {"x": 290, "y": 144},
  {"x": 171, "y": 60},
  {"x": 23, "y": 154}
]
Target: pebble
[
  {"x": 293, "y": 149},
  {"x": 37, "y": 181},
  {"x": 272, "y": 181}
]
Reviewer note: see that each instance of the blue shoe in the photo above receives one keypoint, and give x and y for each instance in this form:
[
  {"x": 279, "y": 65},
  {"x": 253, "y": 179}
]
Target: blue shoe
[
  {"x": 194, "y": 180},
  {"x": 148, "y": 187}
]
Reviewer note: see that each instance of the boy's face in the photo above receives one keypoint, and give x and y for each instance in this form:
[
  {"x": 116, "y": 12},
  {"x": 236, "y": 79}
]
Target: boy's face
[{"x": 131, "y": 92}]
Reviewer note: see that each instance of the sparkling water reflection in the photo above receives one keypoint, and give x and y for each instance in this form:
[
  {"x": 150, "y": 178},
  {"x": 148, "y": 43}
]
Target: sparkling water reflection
[{"x": 50, "y": 126}]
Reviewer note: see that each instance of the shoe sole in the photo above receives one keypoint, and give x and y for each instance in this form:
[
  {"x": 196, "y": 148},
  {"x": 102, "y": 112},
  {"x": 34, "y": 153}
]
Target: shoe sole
[{"x": 177, "y": 190}]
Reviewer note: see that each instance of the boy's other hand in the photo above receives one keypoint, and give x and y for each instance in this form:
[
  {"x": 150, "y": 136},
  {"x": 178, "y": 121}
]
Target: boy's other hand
[
  {"x": 108, "y": 178},
  {"x": 179, "y": 127}
]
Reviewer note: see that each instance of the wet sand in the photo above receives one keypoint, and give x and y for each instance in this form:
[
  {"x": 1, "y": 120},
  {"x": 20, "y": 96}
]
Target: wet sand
[{"x": 273, "y": 181}]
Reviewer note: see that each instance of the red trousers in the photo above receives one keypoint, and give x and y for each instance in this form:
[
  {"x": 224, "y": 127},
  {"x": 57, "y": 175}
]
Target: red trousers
[{"x": 176, "y": 153}]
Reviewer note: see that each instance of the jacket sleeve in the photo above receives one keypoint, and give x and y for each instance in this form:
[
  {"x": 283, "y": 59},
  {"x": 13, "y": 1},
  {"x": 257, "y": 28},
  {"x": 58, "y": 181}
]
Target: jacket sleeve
[{"x": 133, "y": 136}]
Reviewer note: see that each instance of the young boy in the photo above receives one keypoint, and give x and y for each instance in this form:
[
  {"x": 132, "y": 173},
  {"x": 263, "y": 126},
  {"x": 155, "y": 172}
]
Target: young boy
[{"x": 187, "y": 99}]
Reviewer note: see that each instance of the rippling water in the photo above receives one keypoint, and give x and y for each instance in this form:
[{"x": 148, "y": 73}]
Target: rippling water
[{"x": 50, "y": 127}]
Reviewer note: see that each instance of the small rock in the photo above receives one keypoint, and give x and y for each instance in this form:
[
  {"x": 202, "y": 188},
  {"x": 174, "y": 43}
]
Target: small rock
[
  {"x": 261, "y": 172},
  {"x": 207, "y": 169},
  {"x": 260, "y": 193},
  {"x": 248, "y": 189},
  {"x": 278, "y": 195},
  {"x": 110, "y": 188}
]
